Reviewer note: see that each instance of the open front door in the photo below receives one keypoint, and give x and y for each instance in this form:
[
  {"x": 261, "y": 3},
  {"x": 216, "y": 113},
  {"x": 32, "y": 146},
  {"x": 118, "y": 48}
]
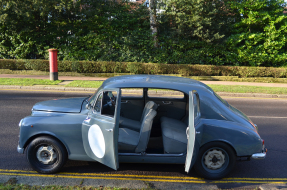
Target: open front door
[
  {"x": 190, "y": 131},
  {"x": 100, "y": 130}
]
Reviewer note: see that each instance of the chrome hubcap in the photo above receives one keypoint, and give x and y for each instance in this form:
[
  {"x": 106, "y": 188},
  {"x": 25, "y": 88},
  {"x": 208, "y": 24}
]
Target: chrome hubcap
[
  {"x": 46, "y": 154},
  {"x": 214, "y": 159}
]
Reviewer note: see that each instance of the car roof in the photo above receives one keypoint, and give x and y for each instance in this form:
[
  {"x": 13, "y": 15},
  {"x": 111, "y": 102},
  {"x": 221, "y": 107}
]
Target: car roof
[{"x": 155, "y": 81}]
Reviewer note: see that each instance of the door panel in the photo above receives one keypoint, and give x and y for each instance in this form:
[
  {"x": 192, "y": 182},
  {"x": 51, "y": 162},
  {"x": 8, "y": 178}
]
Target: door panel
[
  {"x": 100, "y": 132},
  {"x": 190, "y": 131}
]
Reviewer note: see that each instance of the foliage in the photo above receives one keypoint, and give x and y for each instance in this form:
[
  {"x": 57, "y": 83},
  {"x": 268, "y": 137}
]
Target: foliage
[
  {"x": 29, "y": 27},
  {"x": 204, "y": 20},
  {"x": 239, "y": 32},
  {"x": 260, "y": 35},
  {"x": 146, "y": 68}
]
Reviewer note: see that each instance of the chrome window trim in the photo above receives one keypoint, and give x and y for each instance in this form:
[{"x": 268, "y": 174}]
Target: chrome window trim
[{"x": 94, "y": 111}]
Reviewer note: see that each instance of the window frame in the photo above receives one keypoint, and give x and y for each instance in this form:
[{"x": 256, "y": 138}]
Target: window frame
[
  {"x": 94, "y": 111},
  {"x": 101, "y": 109},
  {"x": 196, "y": 119}
]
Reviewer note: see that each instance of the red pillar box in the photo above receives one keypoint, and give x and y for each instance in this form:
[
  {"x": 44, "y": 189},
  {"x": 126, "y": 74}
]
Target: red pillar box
[{"x": 53, "y": 64}]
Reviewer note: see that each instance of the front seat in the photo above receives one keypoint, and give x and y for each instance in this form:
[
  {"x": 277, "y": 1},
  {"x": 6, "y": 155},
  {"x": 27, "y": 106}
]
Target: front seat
[
  {"x": 136, "y": 125},
  {"x": 133, "y": 141}
]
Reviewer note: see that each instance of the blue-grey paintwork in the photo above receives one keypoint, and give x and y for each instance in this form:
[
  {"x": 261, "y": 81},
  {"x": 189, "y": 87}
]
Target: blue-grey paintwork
[{"x": 219, "y": 121}]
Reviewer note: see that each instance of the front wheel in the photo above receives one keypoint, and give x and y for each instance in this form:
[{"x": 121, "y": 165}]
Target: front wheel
[
  {"x": 215, "y": 160},
  {"x": 46, "y": 155}
]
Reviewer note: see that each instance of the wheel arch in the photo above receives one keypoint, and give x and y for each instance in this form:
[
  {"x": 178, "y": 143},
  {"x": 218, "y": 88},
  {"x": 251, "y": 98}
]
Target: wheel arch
[
  {"x": 51, "y": 135},
  {"x": 221, "y": 141}
]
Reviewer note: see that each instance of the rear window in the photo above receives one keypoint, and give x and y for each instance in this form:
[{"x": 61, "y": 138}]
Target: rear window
[
  {"x": 164, "y": 93},
  {"x": 223, "y": 101}
]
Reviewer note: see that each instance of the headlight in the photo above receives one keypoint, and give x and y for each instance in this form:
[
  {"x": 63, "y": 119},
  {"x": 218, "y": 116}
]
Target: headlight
[{"x": 20, "y": 123}]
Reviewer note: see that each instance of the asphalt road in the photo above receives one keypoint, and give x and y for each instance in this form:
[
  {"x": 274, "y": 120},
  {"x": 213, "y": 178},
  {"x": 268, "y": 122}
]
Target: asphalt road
[{"x": 269, "y": 114}]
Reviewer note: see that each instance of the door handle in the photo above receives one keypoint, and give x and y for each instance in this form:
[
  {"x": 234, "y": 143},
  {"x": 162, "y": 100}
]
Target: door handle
[
  {"x": 125, "y": 102},
  {"x": 197, "y": 132},
  {"x": 166, "y": 102},
  {"x": 109, "y": 130}
]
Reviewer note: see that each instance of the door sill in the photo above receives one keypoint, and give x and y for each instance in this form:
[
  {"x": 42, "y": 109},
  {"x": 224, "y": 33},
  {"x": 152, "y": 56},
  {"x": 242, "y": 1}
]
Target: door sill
[{"x": 151, "y": 155}]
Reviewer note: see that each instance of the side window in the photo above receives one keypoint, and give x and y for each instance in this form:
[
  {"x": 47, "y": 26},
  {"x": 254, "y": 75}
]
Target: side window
[
  {"x": 109, "y": 101},
  {"x": 196, "y": 106},
  {"x": 164, "y": 93},
  {"x": 132, "y": 92}
]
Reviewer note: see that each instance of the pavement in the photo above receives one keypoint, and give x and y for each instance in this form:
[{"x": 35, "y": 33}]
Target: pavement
[{"x": 68, "y": 79}]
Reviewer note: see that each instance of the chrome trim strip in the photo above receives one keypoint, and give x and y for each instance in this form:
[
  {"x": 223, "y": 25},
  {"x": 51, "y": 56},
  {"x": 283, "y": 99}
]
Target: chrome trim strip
[
  {"x": 20, "y": 150},
  {"x": 151, "y": 155}
]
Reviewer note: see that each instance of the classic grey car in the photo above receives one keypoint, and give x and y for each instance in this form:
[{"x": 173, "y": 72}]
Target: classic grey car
[{"x": 141, "y": 119}]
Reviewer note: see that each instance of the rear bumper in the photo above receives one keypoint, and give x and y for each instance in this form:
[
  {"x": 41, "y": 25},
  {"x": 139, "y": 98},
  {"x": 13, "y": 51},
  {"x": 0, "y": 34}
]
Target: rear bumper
[{"x": 259, "y": 156}]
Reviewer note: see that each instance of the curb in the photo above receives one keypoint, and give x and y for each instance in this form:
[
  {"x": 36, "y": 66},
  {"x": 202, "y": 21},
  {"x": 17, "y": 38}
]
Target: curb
[{"x": 92, "y": 90}]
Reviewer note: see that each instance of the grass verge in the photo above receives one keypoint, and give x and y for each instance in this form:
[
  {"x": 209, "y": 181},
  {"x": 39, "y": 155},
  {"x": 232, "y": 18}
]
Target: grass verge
[
  {"x": 27, "y": 82},
  {"x": 97, "y": 84},
  {"x": 248, "y": 89},
  {"x": 85, "y": 84},
  {"x": 216, "y": 88}
]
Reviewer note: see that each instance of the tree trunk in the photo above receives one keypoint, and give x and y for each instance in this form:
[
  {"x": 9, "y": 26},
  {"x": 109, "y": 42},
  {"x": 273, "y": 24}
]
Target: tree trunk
[{"x": 153, "y": 22}]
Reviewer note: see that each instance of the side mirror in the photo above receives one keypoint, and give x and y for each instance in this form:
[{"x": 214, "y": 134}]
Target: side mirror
[{"x": 88, "y": 106}]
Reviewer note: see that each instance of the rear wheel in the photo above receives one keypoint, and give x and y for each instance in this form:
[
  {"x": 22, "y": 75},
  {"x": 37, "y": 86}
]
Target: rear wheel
[
  {"x": 215, "y": 160},
  {"x": 46, "y": 155}
]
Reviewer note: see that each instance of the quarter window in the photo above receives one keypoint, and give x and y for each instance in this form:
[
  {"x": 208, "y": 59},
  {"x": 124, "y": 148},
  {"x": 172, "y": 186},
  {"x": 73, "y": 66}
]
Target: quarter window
[{"x": 98, "y": 104}]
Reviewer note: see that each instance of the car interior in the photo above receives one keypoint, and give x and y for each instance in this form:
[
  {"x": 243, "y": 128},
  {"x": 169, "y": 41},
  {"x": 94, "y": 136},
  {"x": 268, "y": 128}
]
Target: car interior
[{"x": 150, "y": 122}]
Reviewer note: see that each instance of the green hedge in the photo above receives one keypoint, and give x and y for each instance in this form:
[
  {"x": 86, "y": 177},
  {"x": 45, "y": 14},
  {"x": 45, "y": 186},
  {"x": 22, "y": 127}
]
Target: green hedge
[{"x": 145, "y": 68}]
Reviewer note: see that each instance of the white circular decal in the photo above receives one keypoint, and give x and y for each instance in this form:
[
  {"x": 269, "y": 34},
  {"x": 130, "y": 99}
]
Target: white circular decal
[{"x": 97, "y": 141}]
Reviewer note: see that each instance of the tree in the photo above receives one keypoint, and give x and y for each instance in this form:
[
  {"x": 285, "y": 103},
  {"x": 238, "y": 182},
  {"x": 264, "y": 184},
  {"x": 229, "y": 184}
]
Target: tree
[
  {"x": 29, "y": 27},
  {"x": 260, "y": 33},
  {"x": 204, "y": 20},
  {"x": 153, "y": 21}
]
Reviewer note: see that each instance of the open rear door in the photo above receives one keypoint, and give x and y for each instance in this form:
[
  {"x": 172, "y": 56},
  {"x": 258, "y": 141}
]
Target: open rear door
[
  {"x": 190, "y": 131},
  {"x": 100, "y": 130}
]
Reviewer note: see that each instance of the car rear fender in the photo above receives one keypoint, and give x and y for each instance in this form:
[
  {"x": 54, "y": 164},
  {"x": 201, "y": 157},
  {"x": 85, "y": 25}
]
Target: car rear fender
[{"x": 244, "y": 140}]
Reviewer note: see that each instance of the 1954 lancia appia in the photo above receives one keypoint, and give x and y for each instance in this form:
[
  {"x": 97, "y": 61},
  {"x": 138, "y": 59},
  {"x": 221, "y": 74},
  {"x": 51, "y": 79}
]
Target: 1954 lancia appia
[{"x": 126, "y": 121}]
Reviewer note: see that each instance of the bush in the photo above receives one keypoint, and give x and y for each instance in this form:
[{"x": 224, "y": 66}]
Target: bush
[
  {"x": 12, "y": 64},
  {"x": 145, "y": 68}
]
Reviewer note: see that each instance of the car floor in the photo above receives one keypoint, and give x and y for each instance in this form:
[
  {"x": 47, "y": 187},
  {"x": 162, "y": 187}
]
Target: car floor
[{"x": 155, "y": 146}]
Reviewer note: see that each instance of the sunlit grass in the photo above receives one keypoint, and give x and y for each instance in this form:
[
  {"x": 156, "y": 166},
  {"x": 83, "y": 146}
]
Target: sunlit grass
[
  {"x": 85, "y": 84},
  {"x": 97, "y": 84},
  {"x": 248, "y": 89},
  {"x": 27, "y": 81}
]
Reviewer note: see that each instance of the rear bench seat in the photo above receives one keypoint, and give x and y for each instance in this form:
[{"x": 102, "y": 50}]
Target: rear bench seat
[{"x": 174, "y": 135}]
